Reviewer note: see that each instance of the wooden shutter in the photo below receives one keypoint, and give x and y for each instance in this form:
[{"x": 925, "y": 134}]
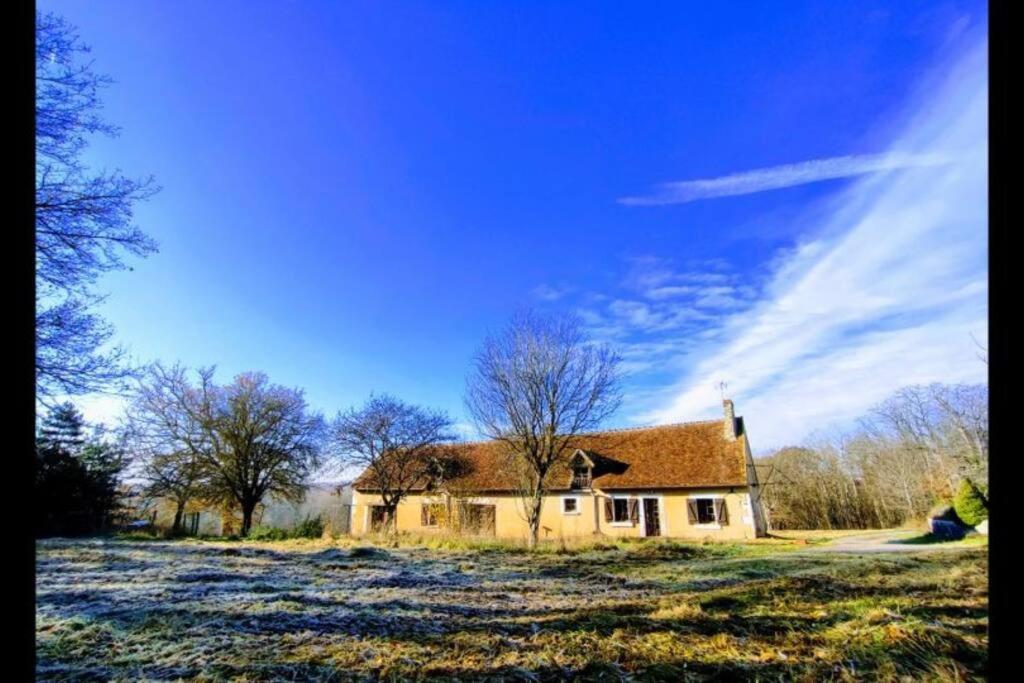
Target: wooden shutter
[
  {"x": 608, "y": 509},
  {"x": 721, "y": 516},
  {"x": 691, "y": 510},
  {"x": 424, "y": 515},
  {"x": 634, "y": 511}
]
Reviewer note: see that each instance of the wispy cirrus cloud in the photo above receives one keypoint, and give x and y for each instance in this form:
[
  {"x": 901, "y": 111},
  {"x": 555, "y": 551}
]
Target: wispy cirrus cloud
[
  {"x": 890, "y": 290},
  {"x": 546, "y": 292},
  {"x": 660, "y": 311},
  {"x": 655, "y": 297},
  {"x": 786, "y": 175}
]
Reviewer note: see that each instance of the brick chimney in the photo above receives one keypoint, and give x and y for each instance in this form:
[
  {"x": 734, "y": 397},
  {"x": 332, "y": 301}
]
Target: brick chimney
[{"x": 730, "y": 420}]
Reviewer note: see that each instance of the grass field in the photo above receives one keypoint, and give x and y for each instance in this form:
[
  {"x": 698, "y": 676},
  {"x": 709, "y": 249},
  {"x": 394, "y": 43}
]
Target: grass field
[{"x": 318, "y": 610}]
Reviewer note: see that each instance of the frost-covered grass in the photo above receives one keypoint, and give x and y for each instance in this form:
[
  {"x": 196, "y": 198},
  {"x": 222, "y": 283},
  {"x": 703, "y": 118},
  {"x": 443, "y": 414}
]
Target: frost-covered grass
[{"x": 342, "y": 610}]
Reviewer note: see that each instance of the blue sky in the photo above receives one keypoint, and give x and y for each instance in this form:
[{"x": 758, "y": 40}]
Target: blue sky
[{"x": 788, "y": 197}]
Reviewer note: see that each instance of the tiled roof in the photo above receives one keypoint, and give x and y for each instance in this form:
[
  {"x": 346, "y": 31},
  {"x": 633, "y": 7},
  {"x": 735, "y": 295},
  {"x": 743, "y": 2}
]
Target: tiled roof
[{"x": 685, "y": 455}]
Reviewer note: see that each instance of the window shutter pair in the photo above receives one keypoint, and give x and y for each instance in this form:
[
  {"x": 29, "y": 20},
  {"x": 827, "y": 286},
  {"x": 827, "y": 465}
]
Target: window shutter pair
[
  {"x": 721, "y": 516},
  {"x": 691, "y": 510},
  {"x": 634, "y": 510}
]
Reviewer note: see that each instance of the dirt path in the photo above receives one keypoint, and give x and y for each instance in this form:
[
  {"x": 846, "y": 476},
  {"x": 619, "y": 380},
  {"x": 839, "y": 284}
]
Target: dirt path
[{"x": 887, "y": 541}]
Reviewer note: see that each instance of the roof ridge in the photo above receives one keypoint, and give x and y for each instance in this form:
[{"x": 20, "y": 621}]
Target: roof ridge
[
  {"x": 613, "y": 430},
  {"x": 652, "y": 426}
]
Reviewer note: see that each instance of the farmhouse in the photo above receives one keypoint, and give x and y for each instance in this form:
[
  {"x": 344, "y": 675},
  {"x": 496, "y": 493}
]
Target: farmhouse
[{"x": 694, "y": 479}]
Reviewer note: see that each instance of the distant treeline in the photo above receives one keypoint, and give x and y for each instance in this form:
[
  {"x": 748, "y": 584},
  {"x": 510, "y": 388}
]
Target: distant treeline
[{"x": 907, "y": 455}]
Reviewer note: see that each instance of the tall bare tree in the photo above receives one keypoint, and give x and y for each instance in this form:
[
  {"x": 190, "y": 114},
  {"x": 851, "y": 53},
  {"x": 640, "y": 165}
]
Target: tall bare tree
[
  {"x": 164, "y": 429},
  {"x": 83, "y": 219},
  {"x": 964, "y": 411},
  {"x": 535, "y": 386},
  {"x": 177, "y": 476},
  {"x": 911, "y": 418},
  {"x": 249, "y": 438},
  {"x": 910, "y": 452},
  {"x": 394, "y": 443}
]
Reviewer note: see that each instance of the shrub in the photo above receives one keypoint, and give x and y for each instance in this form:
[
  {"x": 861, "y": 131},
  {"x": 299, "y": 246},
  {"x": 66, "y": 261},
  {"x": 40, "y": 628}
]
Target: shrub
[
  {"x": 310, "y": 527},
  {"x": 970, "y": 504},
  {"x": 267, "y": 533}
]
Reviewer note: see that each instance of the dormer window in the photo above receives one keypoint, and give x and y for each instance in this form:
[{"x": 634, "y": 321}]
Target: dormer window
[
  {"x": 581, "y": 478},
  {"x": 582, "y": 471}
]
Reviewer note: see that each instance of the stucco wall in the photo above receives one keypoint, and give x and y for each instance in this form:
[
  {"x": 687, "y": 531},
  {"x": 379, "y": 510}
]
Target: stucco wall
[
  {"x": 757, "y": 505},
  {"x": 510, "y": 522}
]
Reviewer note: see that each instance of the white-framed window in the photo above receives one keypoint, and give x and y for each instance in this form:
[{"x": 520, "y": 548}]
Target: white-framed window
[
  {"x": 621, "y": 511},
  {"x": 570, "y": 505}
]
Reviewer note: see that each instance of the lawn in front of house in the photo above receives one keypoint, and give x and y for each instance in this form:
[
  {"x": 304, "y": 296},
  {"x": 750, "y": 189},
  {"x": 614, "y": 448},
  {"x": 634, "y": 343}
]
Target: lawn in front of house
[{"x": 658, "y": 610}]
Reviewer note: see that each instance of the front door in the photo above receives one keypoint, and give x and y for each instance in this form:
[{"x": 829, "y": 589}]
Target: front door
[{"x": 652, "y": 520}]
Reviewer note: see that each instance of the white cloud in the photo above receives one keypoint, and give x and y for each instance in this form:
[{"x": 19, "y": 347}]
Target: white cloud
[
  {"x": 701, "y": 287},
  {"x": 635, "y": 313},
  {"x": 787, "y": 175},
  {"x": 670, "y": 291},
  {"x": 105, "y": 409},
  {"x": 887, "y": 293},
  {"x": 551, "y": 293},
  {"x": 720, "y": 297},
  {"x": 466, "y": 431}
]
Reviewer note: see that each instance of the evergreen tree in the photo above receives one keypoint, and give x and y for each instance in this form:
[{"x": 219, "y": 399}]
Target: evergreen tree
[
  {"x": 63, "y": 429},
  {"x": 970, "y": 504},
  {"x": 103, "y": 463},
  {"x": 76, "y": 478}
]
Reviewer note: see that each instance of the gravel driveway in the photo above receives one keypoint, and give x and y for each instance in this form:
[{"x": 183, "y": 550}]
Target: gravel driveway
[{"x": 884, "y": 542}]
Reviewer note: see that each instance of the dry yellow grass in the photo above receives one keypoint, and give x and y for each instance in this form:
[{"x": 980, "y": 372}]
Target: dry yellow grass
[{"x": 347, "y": 609}]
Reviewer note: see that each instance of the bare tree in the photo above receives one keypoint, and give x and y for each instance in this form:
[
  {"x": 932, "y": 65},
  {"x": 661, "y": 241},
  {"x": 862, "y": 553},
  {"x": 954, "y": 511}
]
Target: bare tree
[
  {"x": 176, "y": 476},
  {"x": 533, "y": 388},
  {"x": 165, "y": 431},
  {"x": 911, "y": 418},
  {"x": 249, "y": 438},
  {"x": 982, "y": 353},
  {"x": 83, "y": 219},
  {"x": 394, "y": 443},
  {"x": 964, "y": 412},
  {"x": 910, "y": 452}
]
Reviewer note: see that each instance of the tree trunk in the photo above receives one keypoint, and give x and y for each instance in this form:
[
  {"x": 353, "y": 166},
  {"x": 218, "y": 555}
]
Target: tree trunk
[
  {"x": 534, "y": 517},
  {"x": 910, "y": 500},
  {"x": 391, "y": 520},
  {"x": 179, "y": 512},
  {"x": 247, "y": 512}
]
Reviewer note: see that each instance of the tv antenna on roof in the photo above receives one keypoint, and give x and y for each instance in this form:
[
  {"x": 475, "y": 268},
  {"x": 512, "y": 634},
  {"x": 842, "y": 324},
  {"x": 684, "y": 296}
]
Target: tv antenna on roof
[{"x": 721, "y": 387}]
